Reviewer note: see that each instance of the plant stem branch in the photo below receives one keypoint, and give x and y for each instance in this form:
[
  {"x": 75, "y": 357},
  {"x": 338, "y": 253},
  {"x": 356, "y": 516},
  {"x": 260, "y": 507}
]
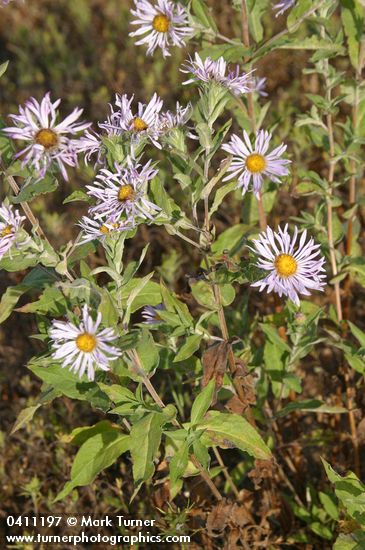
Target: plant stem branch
[{"x": 157, "y": 399}]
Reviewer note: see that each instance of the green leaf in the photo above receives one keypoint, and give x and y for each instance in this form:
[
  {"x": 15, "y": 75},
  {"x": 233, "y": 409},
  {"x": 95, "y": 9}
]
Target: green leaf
[
  {"x": 177, "y": 467},
  {"x": 145, "y": 441},
  {"x": 69, "y": 384},
  {"x": 24, "y": 417},
  {"x": 78, "y": 195},
  {"x": 97, "y": 453},
  {"x": 32, "y": 190},
  {"x": 255, "y": 10},
  {"x": 352, "y": 541},
  {"x": 350, "y": 492},
  {"x": 359, "y": 334},
  {"x": 352, "y": 16},
  {"x": 3, "y": 68},
  {"x": 201, "y": 11},
  {"x": 202, "y": 402},
  {"x": 148, "y": 352},
  {"x": 149, "y": 294},
  {"x": 190, "y": 346},
  {"x": 232, "y": 430},
  {"x": 310, "y": 405}
]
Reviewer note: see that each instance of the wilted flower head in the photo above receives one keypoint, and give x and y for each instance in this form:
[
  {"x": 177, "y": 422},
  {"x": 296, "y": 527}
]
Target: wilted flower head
[
  {"x": 90, "y": 144},
  {"x": 145, "y": 123},
  {"x": 83, "y": 346},
  {"x": 283, "y": 5},
  {"x": 175, "y": 119},
  {"x": 164, "y": 24},
  {"x": 253, "y": 161},
  {"x": 123, "y": 193},
  {"x": 10, "y": 224},
  {"x": 258, "y": 85},
  {"x": 293, "y": 267},
  {"x": 216, "y": 71},
  {"x": 48, "y": 142}
]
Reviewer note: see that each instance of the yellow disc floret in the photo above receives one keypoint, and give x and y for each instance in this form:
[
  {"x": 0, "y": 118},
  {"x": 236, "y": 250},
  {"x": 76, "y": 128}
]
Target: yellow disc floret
[
  {"x": 126, "y": 193},
  {"x": 139, "y": 125},
  {"x": 46, "y": 137},
  {"x": 8, "y": 230},
  {"x": 161, "y": 23},
  {"x": 255, "y": 163},
  {"x": 286, "y": 265},
  {"x": 86, "y": 342}
]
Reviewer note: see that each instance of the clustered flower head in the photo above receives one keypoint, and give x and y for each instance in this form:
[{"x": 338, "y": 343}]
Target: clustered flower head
[
  {"x": 48, "y": 140},
  {"x": 216, "y": 71},
  {"x": 283, "y": 5},
  {"x": 84, "y": 346},
  {"x": 251, "y": 163},
  {"x": 161, "y": 25},
  {"x": 10, "y": 224},
  {"x": 294, "y": 266}
]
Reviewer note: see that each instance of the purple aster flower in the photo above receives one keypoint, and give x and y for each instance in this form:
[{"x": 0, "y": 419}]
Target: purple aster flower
[{"x": 10, "y": 225}]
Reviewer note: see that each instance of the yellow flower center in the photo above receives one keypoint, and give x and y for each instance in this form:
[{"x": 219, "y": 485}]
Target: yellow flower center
[
  {"x": 8, "y": 230},
  {"x": 46, "y": 137},
  {"x": 286, "y": 265},
  {"x": 86, "y": 342},
  {"x": 255, "y": 163},
  {"x": 126, "y": 193},
  {"x": 161, "y": 23},
  {"x": 104, "y": 229},
  {"x": 139, "y": 125}
]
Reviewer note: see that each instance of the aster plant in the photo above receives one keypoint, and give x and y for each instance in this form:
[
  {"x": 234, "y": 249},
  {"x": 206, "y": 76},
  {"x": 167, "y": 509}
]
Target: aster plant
[{"x": 218, "y": 172}]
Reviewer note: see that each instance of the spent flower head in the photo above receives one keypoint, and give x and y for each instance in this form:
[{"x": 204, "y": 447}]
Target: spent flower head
[
  {"x": 161, "y": 24},
  {"x": 83, "y": 346},
  {"x": 48, "y": 142},
  {"x": 98, "y": 229},
  {"x": 121, "y": 195},
  {"x": 294, "y": 266},
  {"x": 254, "y": 162}
]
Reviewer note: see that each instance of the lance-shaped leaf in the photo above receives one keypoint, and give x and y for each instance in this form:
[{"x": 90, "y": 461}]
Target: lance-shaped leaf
[{"x": 231, "y": 430}]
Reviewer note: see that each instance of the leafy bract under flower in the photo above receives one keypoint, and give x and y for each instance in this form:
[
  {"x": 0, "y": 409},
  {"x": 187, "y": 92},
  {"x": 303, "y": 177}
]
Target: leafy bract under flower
[
  {"x": 294, "y": 266},
  {"x": 161, "y": 25},
  {"x": 48, "y": 142},
  {"x": 254, "y": 162},
  {"x": 83, "y": 346}
]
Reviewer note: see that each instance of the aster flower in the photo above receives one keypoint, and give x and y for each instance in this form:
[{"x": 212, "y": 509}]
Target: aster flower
[
  {"x": 216, "y": 71},
  {"x": 254, "y": 161},
  {"x": 293, "y": 267},
  {"x": 98, "y": 229},
  {"x": 175, "y": 119},
  {"x": 150, "y": 314},
  {"x": 10, "y": 225},
  {"x": 258, "y": 85},
  {"x": 48, "y": 142},
  {"x": 282, "y": 6},
  {"x": 145, "y": 123},
  {"x": 90, "y": 144},
  {"x": 123, "y": 193},
  {"x": 162, "y": 24},
  {"x": 83, "y": 346}
]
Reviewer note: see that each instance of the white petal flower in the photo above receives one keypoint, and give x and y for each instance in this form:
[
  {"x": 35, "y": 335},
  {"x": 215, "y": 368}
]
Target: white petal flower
[
  {"x": 175, "y": 119},
  {"x": 10, "y": 224},
  {"x": 294, "y": 267},
  {"x": 161, "y": 25},
  {"x": 98, "y": 229},
  {"x": 83, "y": 346},
  {"x": 90, "y": 144},
  {"x": 254, "y": 162},
  {"x": 123, "y": 193},
  {"x": 48, "y": 142},
  {"x": 145, "y": 123},
  {"x": 216, "y": 71},
  {"x": 283, "y": 5}
]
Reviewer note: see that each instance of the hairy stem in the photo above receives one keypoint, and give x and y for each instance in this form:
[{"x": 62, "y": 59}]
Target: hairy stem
[{"x": 250, "y": 105}]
